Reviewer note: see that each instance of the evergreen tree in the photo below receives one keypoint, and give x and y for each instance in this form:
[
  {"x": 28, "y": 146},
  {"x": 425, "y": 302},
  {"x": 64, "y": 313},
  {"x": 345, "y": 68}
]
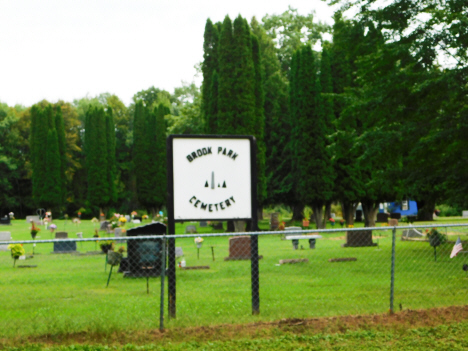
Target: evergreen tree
[
  {"x": 312, "y": 163},
  {"x": 60, "y": 128},
  {"x": 52, "y": 193},
  {"x": 111, "y": 164},
  {"x": 97, "y": 158},
  {"x": 344, "y": 53},
  {"x": 159, "y": 145},
  {"x": 277, "y": 130},
  {"x": 209, "y": 67},
  {"x": 141, "y": 158},
  {"x": 259, "y": 123},
  {"x": 226, "y": 68}
]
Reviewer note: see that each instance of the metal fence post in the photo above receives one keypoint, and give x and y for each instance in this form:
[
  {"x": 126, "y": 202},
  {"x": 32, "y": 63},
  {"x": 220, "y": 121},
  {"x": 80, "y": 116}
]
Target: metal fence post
[
  {"x": 163, "y": 277},
  {"x": 392, "y": 278}
]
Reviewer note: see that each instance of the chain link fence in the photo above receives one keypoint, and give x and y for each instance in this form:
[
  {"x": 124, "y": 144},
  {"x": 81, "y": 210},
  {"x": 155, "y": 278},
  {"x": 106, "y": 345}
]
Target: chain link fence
[{"x": 122, "y": 283}]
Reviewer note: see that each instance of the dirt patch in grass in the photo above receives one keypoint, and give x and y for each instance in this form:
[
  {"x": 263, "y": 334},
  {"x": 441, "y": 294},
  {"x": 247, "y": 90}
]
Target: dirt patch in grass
[{"x": 399, "y": 321}]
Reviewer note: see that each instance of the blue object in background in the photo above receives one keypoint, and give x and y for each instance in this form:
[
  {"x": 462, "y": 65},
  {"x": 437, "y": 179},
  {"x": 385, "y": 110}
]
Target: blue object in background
[{"x": 406, "y": 208}]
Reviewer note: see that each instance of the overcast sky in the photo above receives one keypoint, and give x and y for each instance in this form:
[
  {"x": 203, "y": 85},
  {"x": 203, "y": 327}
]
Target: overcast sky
[{"x": 64, "y": 49}]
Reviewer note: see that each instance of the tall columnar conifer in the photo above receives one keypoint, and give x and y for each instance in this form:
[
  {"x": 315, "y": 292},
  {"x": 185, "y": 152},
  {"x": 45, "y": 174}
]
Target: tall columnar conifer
[
  {"x": 60, "y": 128},
  {"x": 97, "y": 158},
  {"x": 141, "y": 159},
  {"x": 226, "y": 68},
  {"x": 48, "y": 164},
  {"x": 312, "y": 162},
  {"x": 259, "y": 121},
  {"x": 160, "y": 179},
  {"x": 209, "y": 67},
  {"x": 52, "y": 195},
  {"x": 111, "y": 163}
]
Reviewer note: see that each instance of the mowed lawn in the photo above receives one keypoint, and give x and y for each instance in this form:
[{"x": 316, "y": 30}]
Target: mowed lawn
[{"x": 67, "y": 293}]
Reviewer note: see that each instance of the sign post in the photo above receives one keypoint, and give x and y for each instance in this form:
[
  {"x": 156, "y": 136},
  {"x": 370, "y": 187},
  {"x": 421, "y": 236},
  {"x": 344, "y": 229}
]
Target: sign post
[{"x": 211, "y": 177}]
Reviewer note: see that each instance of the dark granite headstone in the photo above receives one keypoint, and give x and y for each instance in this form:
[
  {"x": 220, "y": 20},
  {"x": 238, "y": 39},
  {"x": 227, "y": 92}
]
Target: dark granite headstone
[
  {"x": 358, "y": 215},
  {"x": 203, "y": 224},
  {"x": 64, "y": 247},
  {"x": 395, "y": 215},
  {"x": 5, "y": 220},
  {"x": 104, "y": 226},
  {"x": 382, "y": 217},
  {"x": 359, "y": 238},
  {"x": 145, "y": 255}
]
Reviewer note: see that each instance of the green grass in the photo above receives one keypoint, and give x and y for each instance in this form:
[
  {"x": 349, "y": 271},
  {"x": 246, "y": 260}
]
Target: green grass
[{"x": 68, "y": 294}]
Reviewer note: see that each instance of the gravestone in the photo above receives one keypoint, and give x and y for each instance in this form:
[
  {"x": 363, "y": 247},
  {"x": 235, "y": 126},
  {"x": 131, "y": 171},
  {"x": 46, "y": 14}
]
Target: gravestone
[
  {"x": 144, "y": 255},
  {"x": 395, "y": 215},
  {"x": 118, "y": 233},
  {"x": 239, "y": 248},
  {"x": 411, "y": 233},
  {"x": 274, "y": 221},
  {"x": 465, "y": 214},
  {"x": 136, "y": 221},
  {"x": 293, "y": 228},
  {"x": 127, "y": 217},
  {"x": 359, "y": 238},
  {"x": 392, "y": 222},
  {"x": 382, "y": 217},
  {"x": 64, "y": 247},
  {"x": 203, "y": 224},
  {"x": 104, "y": 226},
  {"x": 61, "y": 235},
  {"x": 4, "y": 236},
  {"x": 358, "y": 215},
  {"x": 333, "y": 215},
  {"x": 79, "y": 235},
  {"x": 190, "y": 229},
  {"x": 34, "y": 219},
  {"x": 5, "y": 220},
  {"x": 138, "y": 218},
  {"x": 218, "y": 225},
  {"x": 179, "y": 252}
]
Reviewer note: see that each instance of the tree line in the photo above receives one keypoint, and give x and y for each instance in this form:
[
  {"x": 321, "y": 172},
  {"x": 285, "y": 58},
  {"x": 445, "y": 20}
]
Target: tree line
[{"x": 374, "y": 116}]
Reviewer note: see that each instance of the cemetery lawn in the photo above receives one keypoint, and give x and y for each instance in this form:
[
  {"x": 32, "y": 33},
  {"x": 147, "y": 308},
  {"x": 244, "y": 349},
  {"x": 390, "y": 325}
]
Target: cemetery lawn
[
  {"x": 67, "y": 294},
  {"x": 436, "y": 329}
]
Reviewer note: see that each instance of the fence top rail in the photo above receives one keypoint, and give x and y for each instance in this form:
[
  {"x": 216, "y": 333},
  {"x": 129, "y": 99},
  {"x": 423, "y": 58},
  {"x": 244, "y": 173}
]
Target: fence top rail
[{"x": 275, "y": 232}]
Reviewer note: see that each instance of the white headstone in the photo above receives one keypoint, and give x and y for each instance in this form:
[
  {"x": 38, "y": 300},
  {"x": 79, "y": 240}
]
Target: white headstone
[
  {"x": 29, "y": 219},
  {"x": 4, "y": 236},
  {"x": 465, "y": 214},
  {"x": 136, "y": 221}
]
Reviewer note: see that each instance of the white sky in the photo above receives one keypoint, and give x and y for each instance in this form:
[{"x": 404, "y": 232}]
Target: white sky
[{"x": 67, "y": 49}]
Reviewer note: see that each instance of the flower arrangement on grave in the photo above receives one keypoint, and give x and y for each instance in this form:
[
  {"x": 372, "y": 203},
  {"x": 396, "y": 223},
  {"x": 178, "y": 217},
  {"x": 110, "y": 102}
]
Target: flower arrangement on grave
[
  {"x": 342, "y": 222},
  {"x": 436, "y": 238},
  {"x": 332, "y": 221},
  {"x": 94, "y": 220},
  {"x": 52, "y": 227},
  {"x": 133, "y": 214},
  {"x": 350, "y": 226},
  {"x": 106, "y": 245},
  {"x": 281, "y": 226},
  {"x": 198, "y": 241},
  {"x": 17, "y": 250},
  {"x": 34, "y": 230},
  {"x": 12, "y": 215},
  {"x": 114, "y": 225},
  {"x": 122, "y": 220}
]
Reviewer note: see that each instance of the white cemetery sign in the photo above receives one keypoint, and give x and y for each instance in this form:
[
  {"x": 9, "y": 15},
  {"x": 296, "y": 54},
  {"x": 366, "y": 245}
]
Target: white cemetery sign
[{"x": 212, "y": 178}]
